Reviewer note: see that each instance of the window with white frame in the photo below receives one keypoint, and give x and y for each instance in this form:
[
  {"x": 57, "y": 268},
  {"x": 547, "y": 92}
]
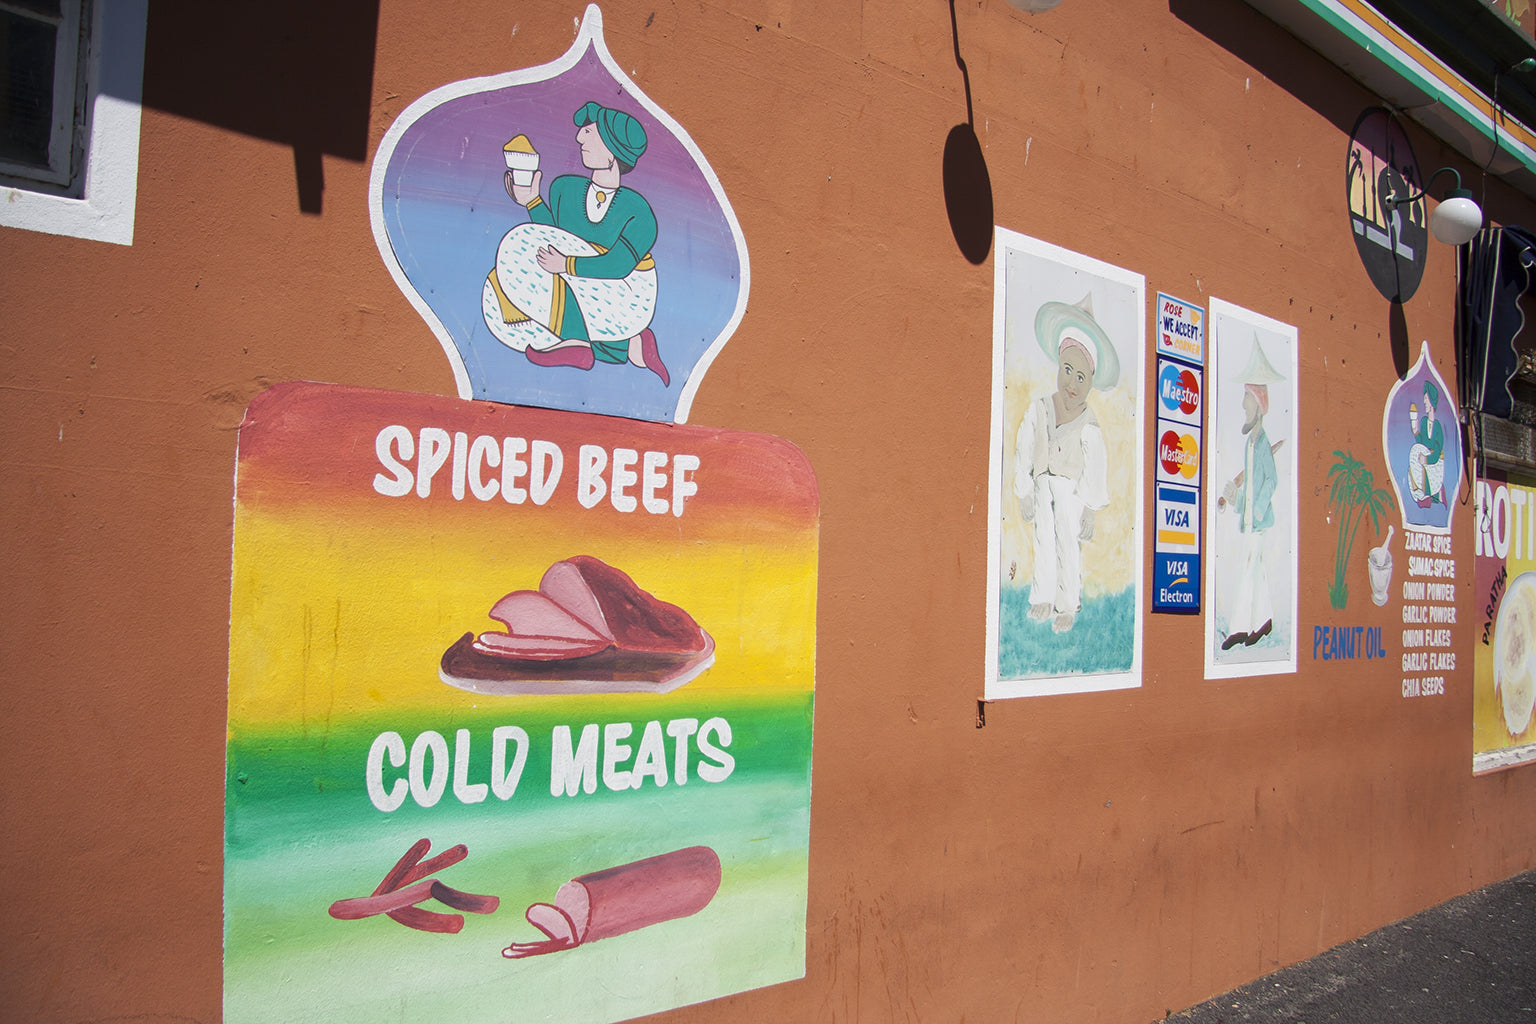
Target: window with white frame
[
  {"x": 42, "y": 92},
  {"x": 71, "y": 80}
]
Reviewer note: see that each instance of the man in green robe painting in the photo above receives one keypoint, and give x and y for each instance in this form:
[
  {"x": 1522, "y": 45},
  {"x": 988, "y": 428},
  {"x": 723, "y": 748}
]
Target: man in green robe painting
[
  {"x": 576, "y": 285},
  {"x": 1426, "y": 459}
]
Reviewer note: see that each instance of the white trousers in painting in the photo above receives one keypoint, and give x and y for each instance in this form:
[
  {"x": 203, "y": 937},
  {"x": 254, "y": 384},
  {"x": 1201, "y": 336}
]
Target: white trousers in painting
[
  {"x": 1252, "y": 608},
  {"x": 1425, "y": 479},
  {"x": 615, "y": 310},
  {"x": 1058, "y": 549}
]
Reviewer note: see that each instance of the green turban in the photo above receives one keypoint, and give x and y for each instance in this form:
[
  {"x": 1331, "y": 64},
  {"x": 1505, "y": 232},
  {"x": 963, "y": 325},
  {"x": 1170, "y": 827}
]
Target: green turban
[
  {"x": 623, "y": 135},
  {"x": 1432, "y": 393}
]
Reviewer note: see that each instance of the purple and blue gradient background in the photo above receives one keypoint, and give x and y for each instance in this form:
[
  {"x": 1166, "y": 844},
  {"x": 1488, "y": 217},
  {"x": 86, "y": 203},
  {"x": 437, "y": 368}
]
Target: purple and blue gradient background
[
  {"x": 445, "y": 211},
  {"x": 1399, "y": 442}
]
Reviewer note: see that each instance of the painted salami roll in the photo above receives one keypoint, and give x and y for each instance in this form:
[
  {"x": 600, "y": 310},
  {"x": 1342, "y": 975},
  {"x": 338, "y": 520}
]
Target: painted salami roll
[{"x": 617, "y": 900}]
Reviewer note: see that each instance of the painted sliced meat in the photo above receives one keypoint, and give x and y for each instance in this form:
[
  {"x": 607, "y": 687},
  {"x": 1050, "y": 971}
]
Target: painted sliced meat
[
  {"x": 616, "y": 901},
  {"x": 532, "y": 614},
  {"x": 588, "y": 629},
  {"x": 554, "y": 922},
  {"x": 564, "y": 584},
  {"x": 537, "y": 648},
  {"x": 638, "y": 621}
]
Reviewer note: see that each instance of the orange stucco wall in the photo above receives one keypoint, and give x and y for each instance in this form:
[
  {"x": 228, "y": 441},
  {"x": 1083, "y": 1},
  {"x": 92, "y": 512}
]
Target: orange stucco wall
[{"x": 1093, "y": 858}]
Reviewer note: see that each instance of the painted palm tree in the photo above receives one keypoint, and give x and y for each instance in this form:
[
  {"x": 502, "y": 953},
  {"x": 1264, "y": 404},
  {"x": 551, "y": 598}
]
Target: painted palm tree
[{"x": 1352, "y": 495}]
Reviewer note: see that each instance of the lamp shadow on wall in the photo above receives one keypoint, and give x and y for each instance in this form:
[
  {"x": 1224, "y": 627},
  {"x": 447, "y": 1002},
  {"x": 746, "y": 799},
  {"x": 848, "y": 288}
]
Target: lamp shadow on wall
[
  {"x": 967, "y": 185},
  {"x": 1397, "y": 333},
  {"x": 295, "y": 73}
]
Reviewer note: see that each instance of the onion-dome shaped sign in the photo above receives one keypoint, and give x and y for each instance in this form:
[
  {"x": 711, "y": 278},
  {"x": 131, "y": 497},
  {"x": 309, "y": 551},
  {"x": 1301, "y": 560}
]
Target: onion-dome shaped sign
[
  {"x": 1421, "y": 437},
  {"x": 563, "y": 237}
]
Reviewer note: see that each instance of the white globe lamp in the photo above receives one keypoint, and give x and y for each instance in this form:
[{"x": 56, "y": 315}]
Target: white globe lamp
[{"x": 1457, "y": 220}]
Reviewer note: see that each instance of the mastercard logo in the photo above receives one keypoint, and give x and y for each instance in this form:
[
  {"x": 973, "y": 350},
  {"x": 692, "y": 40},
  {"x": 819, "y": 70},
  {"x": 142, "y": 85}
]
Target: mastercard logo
[
  {"x": 1179, "y": 454},
  {"x": 1178, "y": 389}
]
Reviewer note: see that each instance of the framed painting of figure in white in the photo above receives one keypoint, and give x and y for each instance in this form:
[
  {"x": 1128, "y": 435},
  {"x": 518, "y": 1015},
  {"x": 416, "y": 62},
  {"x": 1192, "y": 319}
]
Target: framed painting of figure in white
[{"x": 1064, "y": 570}]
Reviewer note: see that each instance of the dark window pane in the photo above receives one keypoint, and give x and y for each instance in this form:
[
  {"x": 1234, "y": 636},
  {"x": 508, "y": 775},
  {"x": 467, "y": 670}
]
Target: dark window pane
[
  {"x": 26, "y": 89},
  {"x": 47, "y": 8}
]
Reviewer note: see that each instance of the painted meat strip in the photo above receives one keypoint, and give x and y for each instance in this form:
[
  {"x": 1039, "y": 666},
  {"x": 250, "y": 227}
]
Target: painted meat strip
[{"x": 407, "y": 885}]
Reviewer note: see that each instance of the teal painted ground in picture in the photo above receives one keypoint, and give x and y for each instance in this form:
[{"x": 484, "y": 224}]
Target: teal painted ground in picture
[{"x": 1102, "y": 638}]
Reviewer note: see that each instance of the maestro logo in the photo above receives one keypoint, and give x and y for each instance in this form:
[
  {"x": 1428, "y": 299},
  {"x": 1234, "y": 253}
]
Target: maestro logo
[
  {"x": 1179, "y": 454},
  {"x": 1178, "y": 389}
]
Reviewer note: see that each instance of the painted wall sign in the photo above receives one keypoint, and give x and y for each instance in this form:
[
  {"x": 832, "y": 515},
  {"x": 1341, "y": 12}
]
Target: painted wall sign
[
  {"x": 563, "y": 236},
  {"x": 1251, "y": 527},
  {"x": 1429, "y": 634},
  {"x": 1064, "y": 573},
  {"x": 1180, "y": 332},
  {"x": 1504, "y": 647},
  {"x": 1347, "y": 643},
  {"x": 1421, "y": 434},
  {"x": 1392, "y": 240},
  {"x": 519, "y": 712}
]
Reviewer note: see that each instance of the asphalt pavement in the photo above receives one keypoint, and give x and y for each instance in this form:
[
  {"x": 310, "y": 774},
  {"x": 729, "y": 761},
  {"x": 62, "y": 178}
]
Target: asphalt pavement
[{"x": 1471, "y": 960}]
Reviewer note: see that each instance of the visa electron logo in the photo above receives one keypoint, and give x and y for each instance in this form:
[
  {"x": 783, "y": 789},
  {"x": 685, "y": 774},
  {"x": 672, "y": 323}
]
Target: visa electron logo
[
  {"x": 1179, "y": 454},
  {"x": 1178, "y": 389}
]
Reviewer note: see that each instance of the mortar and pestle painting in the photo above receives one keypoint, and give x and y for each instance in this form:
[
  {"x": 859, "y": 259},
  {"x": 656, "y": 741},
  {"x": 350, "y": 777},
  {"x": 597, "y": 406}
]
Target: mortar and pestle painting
[{"x": 1380, "y": 569}]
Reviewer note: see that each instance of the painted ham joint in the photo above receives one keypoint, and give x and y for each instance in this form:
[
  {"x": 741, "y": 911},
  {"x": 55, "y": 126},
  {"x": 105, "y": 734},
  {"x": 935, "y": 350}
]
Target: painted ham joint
[
  {"x": 408, "y": 884},
  {"x": 587, "y": 629}
]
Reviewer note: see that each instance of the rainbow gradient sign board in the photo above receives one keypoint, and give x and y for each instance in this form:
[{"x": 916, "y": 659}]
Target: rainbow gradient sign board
[
  {"x": 520, "y": 709},
  {"x": 1180, "y": 334}
]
